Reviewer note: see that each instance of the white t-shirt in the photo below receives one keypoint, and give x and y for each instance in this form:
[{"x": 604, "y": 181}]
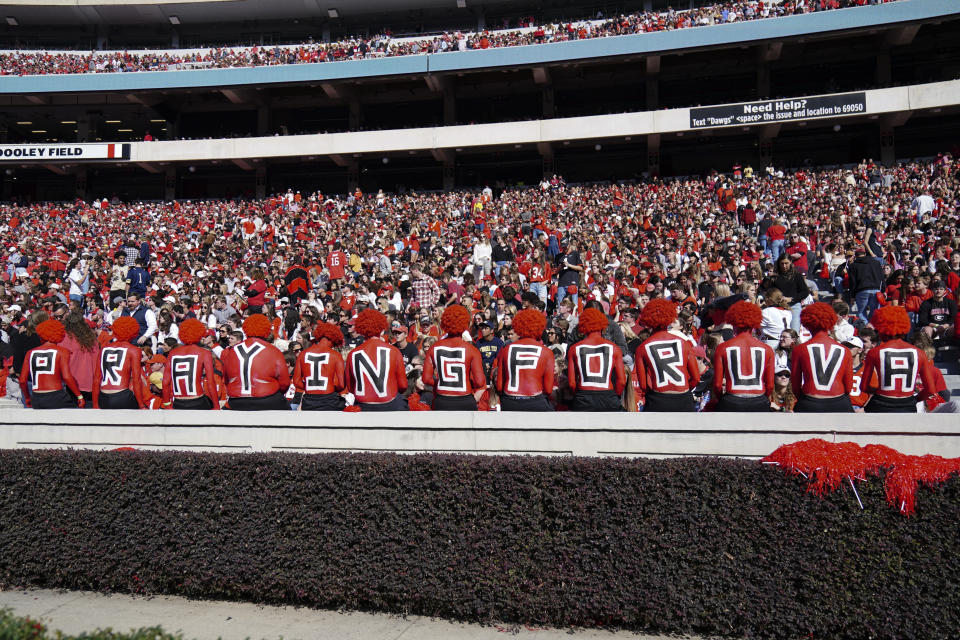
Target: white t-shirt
[{"x": 76, "y": 277}]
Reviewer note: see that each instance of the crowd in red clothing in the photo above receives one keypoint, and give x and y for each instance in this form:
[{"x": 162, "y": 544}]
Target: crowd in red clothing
[
  {"x": 862, "y": 239},
  {"x": 384, "y": 45}
]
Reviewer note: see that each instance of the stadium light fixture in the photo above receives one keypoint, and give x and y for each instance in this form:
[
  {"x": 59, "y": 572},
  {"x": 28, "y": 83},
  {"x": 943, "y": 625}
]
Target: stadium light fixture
[
  {"x": 68, "y": 122},
  {"x": 12, "y": 21},
  {"x": 112, "y": 121},
  {"x": 461, "y": 4},
  {"x": 124, "y": 130},
  {"x": 24, "y": 122},
  {"x": 174, "y": 20},
  {"x": 38, "y": 131},
  {"x": 333, "y": 13}
]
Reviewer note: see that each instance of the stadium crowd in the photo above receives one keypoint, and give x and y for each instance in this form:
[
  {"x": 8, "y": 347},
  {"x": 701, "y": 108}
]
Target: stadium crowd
[
  {"x": 384, "y": 44},
  {"x": 553, "y": 296}
]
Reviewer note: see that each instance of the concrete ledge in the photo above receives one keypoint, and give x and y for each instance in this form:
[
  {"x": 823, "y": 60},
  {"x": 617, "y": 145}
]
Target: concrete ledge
[{"x": 626, "y": 434}]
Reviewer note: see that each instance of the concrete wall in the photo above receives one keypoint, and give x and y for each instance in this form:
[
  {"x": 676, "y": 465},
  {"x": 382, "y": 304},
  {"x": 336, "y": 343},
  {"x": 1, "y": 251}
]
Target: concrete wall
[
  {"x": 641, "y": 44},
  {"x": 879, "y": 101},
  {"x": 628, "y": 434}
]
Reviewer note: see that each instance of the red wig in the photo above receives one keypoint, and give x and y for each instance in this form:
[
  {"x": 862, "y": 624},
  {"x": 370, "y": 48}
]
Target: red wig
[
  {"x": 52, "y": 331},
  {"x": 329, "y": 331},
  {"x": 818, "y": 317},
  {"x": 191, "y": 331},
  {"x": 592, "y": 320},
  {"x": 891, "y": 321},
  {"x": 744, "y": 315},
  {"x": 455, "y": 319},
  {"x": 125, "y": 328},
  {"x": 257, "y": 325},
  {"x": 530, "y": 323},
  {"x": 370, "y": 323},
  {"x": 658, "y": 314}
]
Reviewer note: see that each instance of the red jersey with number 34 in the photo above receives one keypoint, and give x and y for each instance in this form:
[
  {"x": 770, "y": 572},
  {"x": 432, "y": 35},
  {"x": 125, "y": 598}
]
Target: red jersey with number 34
[
  {"x": 525, "y": 368},
  {"x": 454, "y": 367},
  {"x": 319, "y": 371},
  {"x": 254, "y": 368},
  {"x": 375, "y": 372}
]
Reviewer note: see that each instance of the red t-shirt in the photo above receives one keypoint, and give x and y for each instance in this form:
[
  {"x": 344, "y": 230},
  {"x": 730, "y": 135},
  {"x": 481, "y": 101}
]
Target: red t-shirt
[
  {"x": 776, "y": 232},
  {"x": 336, "y": 263}
]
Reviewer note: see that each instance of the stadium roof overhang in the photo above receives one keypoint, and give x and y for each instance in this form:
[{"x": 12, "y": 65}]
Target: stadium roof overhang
[{"x": 140, "y": 12}]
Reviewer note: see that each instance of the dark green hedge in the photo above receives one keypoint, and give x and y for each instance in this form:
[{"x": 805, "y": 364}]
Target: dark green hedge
[
  {"x": 13, "y": 627},
  {"x": 702, "y": 546}
]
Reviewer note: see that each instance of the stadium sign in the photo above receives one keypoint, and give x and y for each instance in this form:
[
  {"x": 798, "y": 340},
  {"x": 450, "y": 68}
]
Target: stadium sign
[
  {"x": 774, "y": 111},
  {"x": 63, "y": 152}
]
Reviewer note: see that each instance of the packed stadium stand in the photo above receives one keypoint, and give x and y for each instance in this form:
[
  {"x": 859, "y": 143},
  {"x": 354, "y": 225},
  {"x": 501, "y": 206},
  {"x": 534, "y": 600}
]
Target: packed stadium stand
[{"x": 209, "y": 139}]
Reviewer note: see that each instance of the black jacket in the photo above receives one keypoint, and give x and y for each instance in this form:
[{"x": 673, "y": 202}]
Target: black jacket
[{"x": 865, "y": 273}]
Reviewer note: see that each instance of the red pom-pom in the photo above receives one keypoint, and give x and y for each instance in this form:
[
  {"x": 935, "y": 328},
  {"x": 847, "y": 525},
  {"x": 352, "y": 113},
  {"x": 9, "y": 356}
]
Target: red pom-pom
[
  {"x": 125, "y": 328},
  {"x": 891, "y": 321},
  {"x": 455, "y": 319},
  {"x": 51, "y": 331},
  {"x": 257, "y": 326},
  {"x": 818, "y": 317},
  {"x": 592, "y": 320},
  {"x": 191, "y": 331},
  {"x": 414, "y": 403},
  {"x": 529, "y": 323},
  {"x": 572, "y": 289},
  {"x": 352, "y": 409},
  {"x": 370, "y": 323},
  {"x": 744, "y": 315},
  {"x": 329, "y": 331},
  {"x": 658, "y": 314}
]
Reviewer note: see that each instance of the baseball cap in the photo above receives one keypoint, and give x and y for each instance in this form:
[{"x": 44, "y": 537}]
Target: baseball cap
[
  {"x": 854, "y": 342},
  {"x": 397, "y": 327},
  {"x": 156, "y": 379}
]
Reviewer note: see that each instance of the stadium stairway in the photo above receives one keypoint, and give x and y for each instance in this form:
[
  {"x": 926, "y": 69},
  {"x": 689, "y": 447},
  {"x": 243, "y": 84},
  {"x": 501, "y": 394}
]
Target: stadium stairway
[{"x": 949, "y": 365}]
